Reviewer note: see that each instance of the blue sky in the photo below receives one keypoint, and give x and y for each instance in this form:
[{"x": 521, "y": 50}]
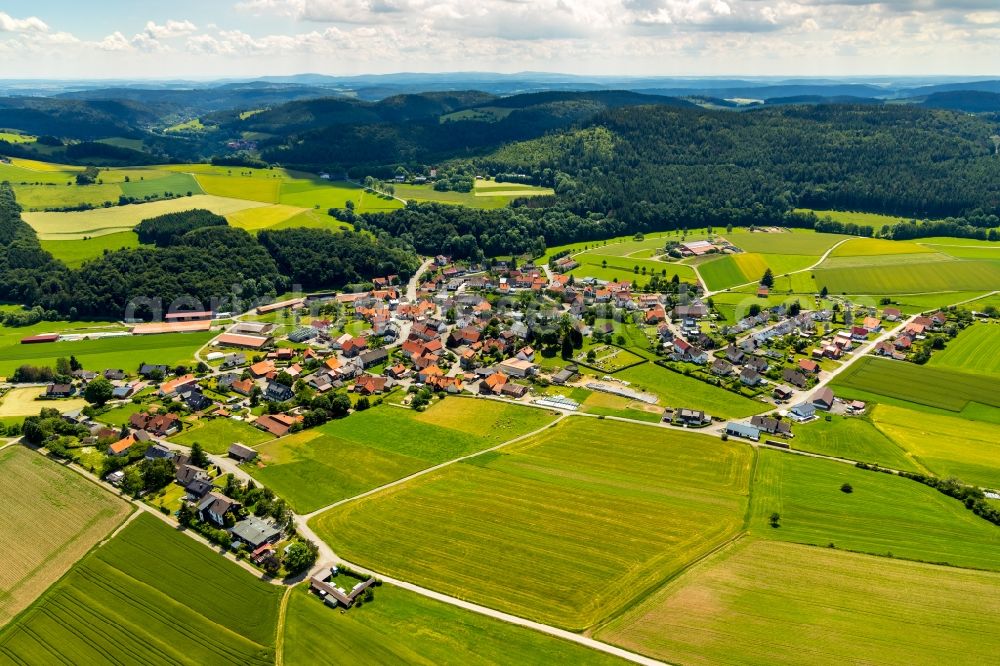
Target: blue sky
[{"x": 213, "y": 38}]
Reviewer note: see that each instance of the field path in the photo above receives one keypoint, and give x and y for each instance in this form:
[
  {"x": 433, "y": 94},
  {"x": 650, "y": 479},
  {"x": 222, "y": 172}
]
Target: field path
[{"x": 279, "y": 641}]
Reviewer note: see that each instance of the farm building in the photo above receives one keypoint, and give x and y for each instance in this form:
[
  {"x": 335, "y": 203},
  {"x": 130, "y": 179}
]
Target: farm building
[
  {"x": 242, "y": 341},
  {"x": 743, "y": 430},
  {"x": 823, "y": 399},
  {"x": 241, "y": 453}
]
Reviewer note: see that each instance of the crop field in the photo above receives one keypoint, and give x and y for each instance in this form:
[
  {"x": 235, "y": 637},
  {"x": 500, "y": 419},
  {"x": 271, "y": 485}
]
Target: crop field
[
  {"x": 849, "y": 217},
  {"x": 150, "y": 595},
  {"x": 264, "y": 217},
  {"x": 51, "y": 517},
  {"x": 721, "y": 273},
  {"x": 566, "y": 527},
  {"x": 341, "y": 459},
  {"x": 24, "y": 402},
  {"x": 881, "y": 261},
  {"x": 470, "y": 199},
  {"x": 938, "y": 387},
  {"x": 401, "y": 627},
  {"x": 760, "y": 602},
  {"x": 99, "y": 222},
  {"x": 884, "y": 513},
  {"x": 973, "y": 350},
  {"x": 216, "y": 434},
  {"x": 324, "y": 194},
  {"x": 74, "y": 252},
  {"x": 958, "y": 275},
  {"x": 876, "y": 247},
  {"x": 854, "y": 438},
  {"x": 16, "y": 137},
  {"x": 795, "y": 241},
  {"x": 946, "y": 445},
  {"x": 264, "y": 190},
  {"x": 178, "y": 183},
  {"x": 677, "y": 390},
  {"x": 491, "y": 188},
  {"x": 125, "y": 352}
]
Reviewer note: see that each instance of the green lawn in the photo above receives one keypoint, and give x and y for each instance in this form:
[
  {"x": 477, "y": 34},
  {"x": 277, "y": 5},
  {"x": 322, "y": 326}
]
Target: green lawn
[
  {"x": 126, "y": 352},
  {"x": 854, "y": 438},
  {"x": 343, "y": 458},
  {"x": 677, "y": 390},
  {"x": 119, "y": 416},
  {"x": 401, "y": 627},
  {"x": 74, "y": 252},
  {"x": 150, "y": 595},
  {"x": 566, "y": 527},
  {"x": 759, "y": 602},
  {"x": 216, "y": 435},
  {"x": 884, "y": 513},
  {"x": 973, "y": 350}
]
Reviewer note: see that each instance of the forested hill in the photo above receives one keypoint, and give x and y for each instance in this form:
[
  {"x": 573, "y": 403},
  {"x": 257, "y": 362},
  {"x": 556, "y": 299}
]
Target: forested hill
[{"x": 663, "y": 166}]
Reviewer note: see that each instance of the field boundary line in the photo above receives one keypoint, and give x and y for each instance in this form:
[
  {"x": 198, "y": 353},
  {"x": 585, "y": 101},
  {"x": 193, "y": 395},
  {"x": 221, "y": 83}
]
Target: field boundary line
[{"x": 279, "y": 639}]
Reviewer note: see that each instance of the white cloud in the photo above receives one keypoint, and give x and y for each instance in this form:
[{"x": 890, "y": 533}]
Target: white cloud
[
  {"x": 116, "y": 41},
  {"x": 31, "y": 24},
  {"x": 170, "y": 29}
]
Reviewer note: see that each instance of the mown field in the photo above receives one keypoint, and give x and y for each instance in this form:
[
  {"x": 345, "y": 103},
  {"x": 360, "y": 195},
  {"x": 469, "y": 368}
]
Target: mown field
[
  {"x": 876, "y": 247},
  {"x": 973, "y": 350},
  {"x": 217, "y": 434},
  {"x": 25, "y": 402},
  {"x": 884, "y": 513},
  {"x": 401, "y": 627},
  {"x": 124, "y": 352},
  {"x": 946, "y": 445},
  {"x": 760, "y": 602},
  {"x": 795, "y": 241},
  {"x": 150, "y": 595},
  {"x": 74, "y": 252},
  {"x": 854, "y": 438},
  {"x": 677, "y": 390},
  {"x": 736, "y": 269},
  {"x": 937, "y": 387},
  {"x": 565, "y": 528},
  {"x": 850, "y": 217},
  {"x": 51, "y": 517},
  {"x": 958, "y": 275},
  {"x": 340, "y": 459}
]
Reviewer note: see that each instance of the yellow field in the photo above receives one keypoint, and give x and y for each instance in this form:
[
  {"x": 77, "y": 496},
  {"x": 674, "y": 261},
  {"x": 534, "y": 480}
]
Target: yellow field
[
  {"x": 50, "y": 517},
  {"x": 263, "y": 217},
  {"x": 751, "y": 264},
  {"x": 34, "y": 165},
  {"x": 862, "y": 247},
  {"x": 24, "y": 402},
  {"x": 241, "y": 187},
  {"x": 102, "y": 221}
]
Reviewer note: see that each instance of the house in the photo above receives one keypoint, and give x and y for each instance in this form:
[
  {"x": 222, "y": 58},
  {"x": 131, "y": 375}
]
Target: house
[
  {"x": 526, "y": 354},
  {"x": 772, "y": 426},
  {"x": 158, "y": 451},
  {"x": 241, "y": 453},
  {"x": 493, "y": 384},
  {"x": 758, "y": 363},
  {"x": 892, "y": 314},
  {"x": 173, "y": 386},
  {"x": 353, "y": 347},
  {"x": 121, "y": 447},
  {"x": 160, "y": 425},
  {"x": 451, "y": 385},
  {"x": 782, "y": 392},
  {"x": 512, "y": 390},
  {"x": 187, "y": 474},
  {"x": 823, "y": 399},
  {"x": 803, "y": 411},
  {"x": 794, "y": 377},
  {"x": 722, "y": 367},
  {"x": 692, "y": 418},
  {"x": 373, "y": 357},
  {"x": 123, "y": 392},
  {"x": 233, "y": 361},
  {"x": 277, "y": 392},
  {"x": 872, "y": 324},
  {"x": 809, "y": 365},
  {"x": 750, "y": 377},
  {"x": 734, "y": 354},
  {"x": 243, "y": 386},
  {"x": 685, "y": 351},
  {"x": 58, "y": 390},
  {"x": 517, "y": 368},
  {"x": 859, "y": 333},
  {"x": 262, "y": 368},
  {"x": 370, "y": 384},
  {"x": 565, "y": 375},
  {"x": 195, "y": 400},
  {"x": 148, "y": 371},
  {"x": 695, "y": 310},
  {"x": 255, "y": 532},
  {"x": 743, "y": 430},
  {"x": 762, "y": 291},
  {"x": 114, "y": 375},
  {"x": 214, "y": 508}
]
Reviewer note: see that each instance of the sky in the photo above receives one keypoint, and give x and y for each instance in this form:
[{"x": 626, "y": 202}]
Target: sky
[{"x": 242, "y": 38}]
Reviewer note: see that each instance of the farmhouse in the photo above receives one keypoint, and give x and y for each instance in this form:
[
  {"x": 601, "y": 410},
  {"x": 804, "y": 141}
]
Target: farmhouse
[
  {"x": 772, "y": 425},
  {"x": 59, "y": 390},
  {"x": 518, "y": 368},
  {"x": 159, "y": 425},
  {"x": 277, "y": 424},
  {"x": 122, "y": 446},
  {"x": 823, "y": 399},
  {"x": 215, "y": 507},
  {"x": 696, "y": 248},
  {"x": 333, "y": 595}
]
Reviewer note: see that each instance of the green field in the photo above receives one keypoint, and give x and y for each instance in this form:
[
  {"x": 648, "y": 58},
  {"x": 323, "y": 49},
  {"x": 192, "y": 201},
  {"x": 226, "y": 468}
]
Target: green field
[
  {"x": 341, "y": 459},
  {"x": 973, "y": 350},
  {"x": 957, "y": 275},
  {"x": 264, "y": 217},
  {"x": 884, "y": 513},
  {"x": 565, "y": 528},
  {"x": 217, "y": 434},
  {"x": 470, "y": 199},
  {"x": 677, "y": 390},
  {"x": 612, "y": 268},
  {"x": 760, "y": 602},
  {"x": 150, "y": 595},
  {"x": 876, "y": 247},
  {"x": 794, "y": 241},
  {"x": 401, "y": 627},
  {"x": 850, "y": 217},
  {"x": 74, "y": 252},
  {"x": 323, "y": 195},
  {"x": 125, "y": 353},
  {"x": 937, "y": 387},
  {"x": 735, "y": 269},
  {"x": 851, "y": 437},
  {"x": 949, "y": 446},
  {"x": 51, "y": 516}
]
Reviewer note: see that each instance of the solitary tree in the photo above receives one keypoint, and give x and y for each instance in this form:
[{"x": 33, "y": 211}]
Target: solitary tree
[
  {"x": 198, "y": 456},
  {"x": 768, "y": 278},
  {"x": 98, "y": 391}
]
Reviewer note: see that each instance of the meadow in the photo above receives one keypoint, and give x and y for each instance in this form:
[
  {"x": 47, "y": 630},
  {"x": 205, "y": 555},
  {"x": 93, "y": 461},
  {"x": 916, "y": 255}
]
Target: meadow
[
  {"x": 850, "y": 217},
  {"x": 949, "y": 446},
  {"x": 736, "y": 269},
  {"x": 217, "y": 434},
  {"x": 615, "y": 268},
  {"x": 24, "y": 402},
  {"x": 74, "y": 252},
  {"x": 401, "y": 627},
  {"x": 973, "y": 350},
  {"x": 566, "y": 527},
  {"x": 854, "y": 438},
  {"x": 761, "y": 602},
  {"x": 913, "y": 277},
  {"x": 936, "y": 387},
  {"x": 51, "y": 517},
  {"x": 794, "y": 241},
  {"x": 124, "y": 352},
  {"x": 150, "y": 595},
  {"x": 884, "y": 513},
  {"x": 344, "y": 458},
  {"x": 677, "y": 390},
  {"x": 876, "y": 247}
]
